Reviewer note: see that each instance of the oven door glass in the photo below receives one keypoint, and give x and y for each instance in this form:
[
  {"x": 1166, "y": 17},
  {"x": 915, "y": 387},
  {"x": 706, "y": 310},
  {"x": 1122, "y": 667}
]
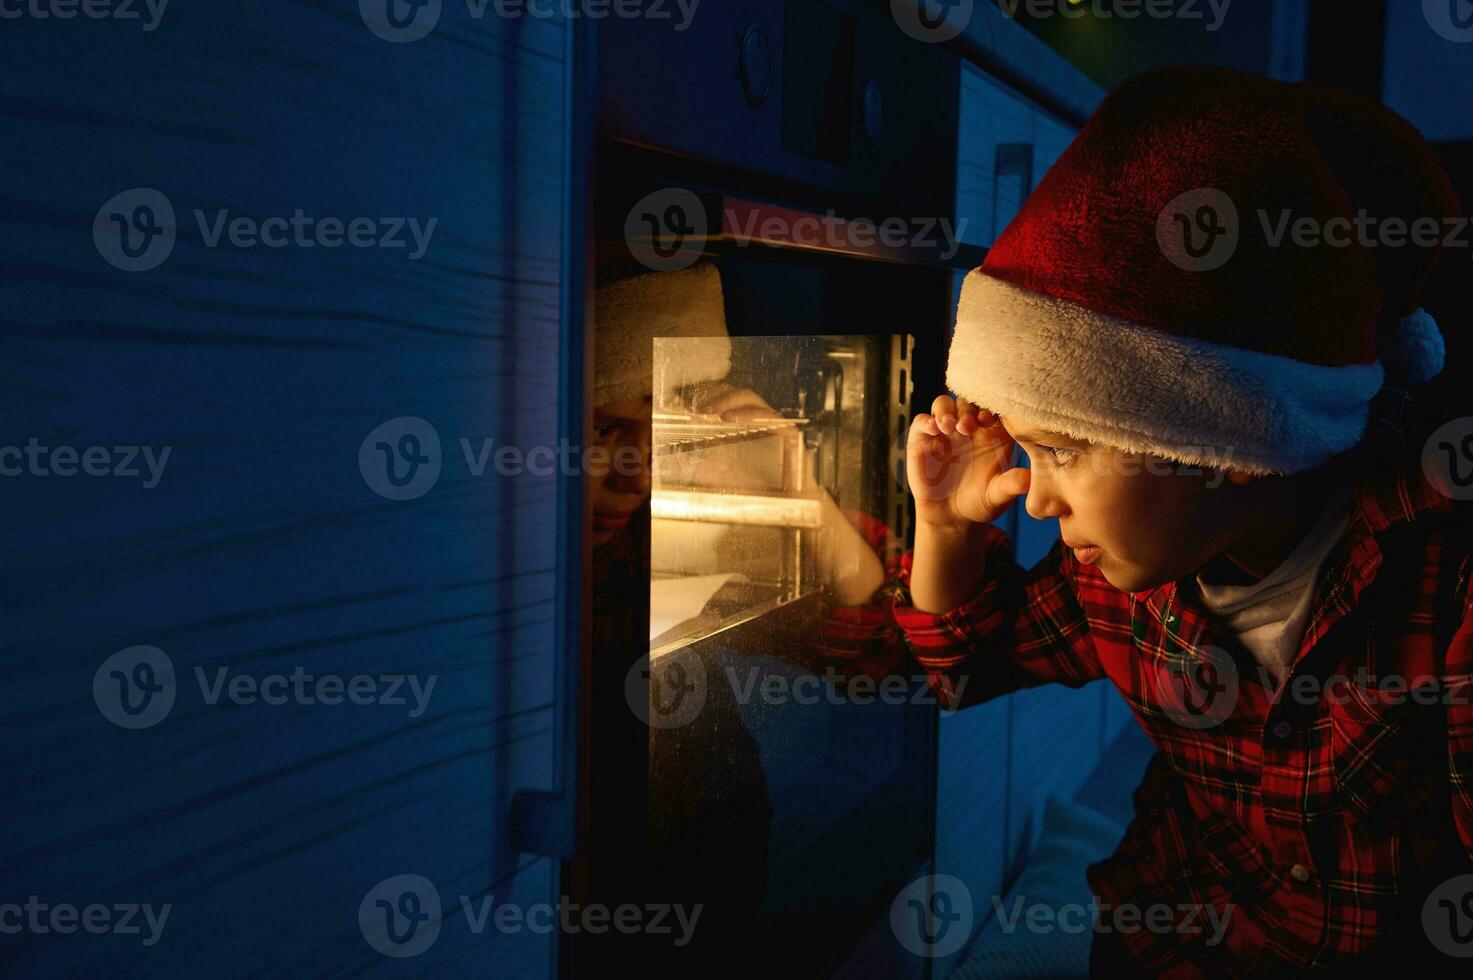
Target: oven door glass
[{"x": 786, "y": 796}]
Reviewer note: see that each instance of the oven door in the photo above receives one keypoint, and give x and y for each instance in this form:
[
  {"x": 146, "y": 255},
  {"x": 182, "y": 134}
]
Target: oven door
[{"x": 780, "y": 794}]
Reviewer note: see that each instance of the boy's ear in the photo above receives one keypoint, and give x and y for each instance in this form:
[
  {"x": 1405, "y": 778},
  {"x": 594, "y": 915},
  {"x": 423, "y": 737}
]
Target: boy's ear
[{"x": 1239, "y": 478}]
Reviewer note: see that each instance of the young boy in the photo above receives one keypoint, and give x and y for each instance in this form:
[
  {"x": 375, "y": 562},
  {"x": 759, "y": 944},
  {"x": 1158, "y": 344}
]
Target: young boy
[{"x": 1252, "y": 549}]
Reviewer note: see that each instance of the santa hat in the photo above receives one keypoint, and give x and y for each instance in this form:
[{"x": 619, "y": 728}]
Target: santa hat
[
  {"x": 1096, "y": 316},
  {"x": 631, "y": 313}
]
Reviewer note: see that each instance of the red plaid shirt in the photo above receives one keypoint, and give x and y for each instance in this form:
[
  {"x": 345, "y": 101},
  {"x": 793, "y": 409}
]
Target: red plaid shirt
[{"x": 1322, "y": 817}]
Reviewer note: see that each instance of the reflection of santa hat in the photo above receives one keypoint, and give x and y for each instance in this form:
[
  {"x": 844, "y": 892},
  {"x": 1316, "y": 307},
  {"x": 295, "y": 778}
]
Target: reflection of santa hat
[
  {"x": 1137, "y": 300},
  {"x": 631, "y": 313}
]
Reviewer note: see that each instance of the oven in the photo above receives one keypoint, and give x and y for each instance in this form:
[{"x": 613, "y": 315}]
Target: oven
[{"x": 776, "y": 143}]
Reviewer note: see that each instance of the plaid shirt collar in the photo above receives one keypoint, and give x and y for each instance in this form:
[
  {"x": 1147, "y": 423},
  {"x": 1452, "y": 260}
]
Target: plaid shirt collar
[{"x": 1392, "y": 490}]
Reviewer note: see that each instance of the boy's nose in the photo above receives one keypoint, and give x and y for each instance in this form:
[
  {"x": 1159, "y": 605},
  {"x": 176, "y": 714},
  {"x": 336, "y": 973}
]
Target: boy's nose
[
  {"x": 635, "y": 479},
  {"x": 1041, "y": 503}
]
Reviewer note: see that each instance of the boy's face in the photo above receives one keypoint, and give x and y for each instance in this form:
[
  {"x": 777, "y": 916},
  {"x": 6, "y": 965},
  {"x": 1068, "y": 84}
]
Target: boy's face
[
  {"x": 1148, "y": 521},
  {"x": 621, "y": 484}
]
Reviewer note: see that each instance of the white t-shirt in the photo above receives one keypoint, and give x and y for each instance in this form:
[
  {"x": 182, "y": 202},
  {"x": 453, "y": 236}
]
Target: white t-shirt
[{"x": 1269, "y": 616}]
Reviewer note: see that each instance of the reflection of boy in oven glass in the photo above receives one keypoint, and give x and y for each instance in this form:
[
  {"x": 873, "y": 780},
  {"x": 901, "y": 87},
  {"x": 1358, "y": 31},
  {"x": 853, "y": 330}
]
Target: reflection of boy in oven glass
[
  {"x": 709, "y": 808},
  {"x": 1262, "y": 547},
  {"x": 629, "y": 314}
]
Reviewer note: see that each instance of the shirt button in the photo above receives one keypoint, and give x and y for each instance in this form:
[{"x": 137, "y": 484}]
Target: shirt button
[
  {"x": 1283, "y": 730},
  {"x": 1299, "y": 872}
]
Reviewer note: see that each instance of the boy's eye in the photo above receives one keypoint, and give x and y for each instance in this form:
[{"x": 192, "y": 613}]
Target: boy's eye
[
  {"x": 1060, "y": 456},
  {"x": 605, "y": 431}
]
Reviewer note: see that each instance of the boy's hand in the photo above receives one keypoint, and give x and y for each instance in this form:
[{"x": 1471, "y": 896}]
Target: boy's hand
[
  {"x": 958, "y": 464},
  {"x": 730, "y": 403}
]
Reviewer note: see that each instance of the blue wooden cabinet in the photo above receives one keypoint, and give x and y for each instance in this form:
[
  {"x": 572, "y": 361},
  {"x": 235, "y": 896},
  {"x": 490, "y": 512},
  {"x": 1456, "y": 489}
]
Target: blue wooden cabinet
[{"x": 262, "y": 550}]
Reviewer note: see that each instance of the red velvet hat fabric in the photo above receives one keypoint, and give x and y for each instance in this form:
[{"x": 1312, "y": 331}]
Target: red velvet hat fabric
[{"x": 1088, "y": 231}]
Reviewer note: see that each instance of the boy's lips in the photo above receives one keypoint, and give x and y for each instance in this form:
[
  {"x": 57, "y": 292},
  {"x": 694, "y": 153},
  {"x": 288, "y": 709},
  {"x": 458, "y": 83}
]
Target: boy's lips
[
  {"x": 611, "y": 520},
  {"x": 1087, "y": 553}
]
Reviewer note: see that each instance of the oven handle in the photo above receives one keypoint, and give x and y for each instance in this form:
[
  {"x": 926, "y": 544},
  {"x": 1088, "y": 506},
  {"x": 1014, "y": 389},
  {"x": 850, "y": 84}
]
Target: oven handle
[{"x": 545, "y": 821}]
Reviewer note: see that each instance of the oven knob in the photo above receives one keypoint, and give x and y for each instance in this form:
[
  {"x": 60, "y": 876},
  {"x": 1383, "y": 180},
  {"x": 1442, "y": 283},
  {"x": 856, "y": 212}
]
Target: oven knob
[
  {"x": 874, "y": 111},
  {"x": 756, "y": 66}
]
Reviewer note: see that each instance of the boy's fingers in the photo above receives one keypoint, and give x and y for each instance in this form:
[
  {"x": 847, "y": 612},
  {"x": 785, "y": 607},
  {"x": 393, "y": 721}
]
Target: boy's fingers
[
  {"x": 1007, "y": 486},
  {"x": 926, "y": 424},
  {"x": 943, "y": 406}
]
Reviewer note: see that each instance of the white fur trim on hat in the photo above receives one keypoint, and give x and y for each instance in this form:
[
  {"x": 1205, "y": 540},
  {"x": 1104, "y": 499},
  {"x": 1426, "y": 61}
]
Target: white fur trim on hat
[
  {"x": 631, "y": 313},
  {"x": 1100, "y": 378}
]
